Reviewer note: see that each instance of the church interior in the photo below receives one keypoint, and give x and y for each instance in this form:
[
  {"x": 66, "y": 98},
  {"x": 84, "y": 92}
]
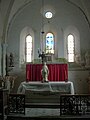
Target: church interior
[{"x": 44, "y": 59}]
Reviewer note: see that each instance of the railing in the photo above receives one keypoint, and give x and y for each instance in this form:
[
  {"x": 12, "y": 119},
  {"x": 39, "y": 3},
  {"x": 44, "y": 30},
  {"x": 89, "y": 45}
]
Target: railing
[
  {"x": 16, "y": 104},
  {"x": 75, "y": 104},
  {"x": 69, "y": 104}
]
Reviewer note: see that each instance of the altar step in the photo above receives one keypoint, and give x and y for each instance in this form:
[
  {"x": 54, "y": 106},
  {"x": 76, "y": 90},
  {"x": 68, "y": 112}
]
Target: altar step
[
  {"x": 22, "y": 117},
  {"x": 42, "y": 105}
]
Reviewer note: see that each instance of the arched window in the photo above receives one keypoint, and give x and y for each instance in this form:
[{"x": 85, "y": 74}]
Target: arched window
[
  {"x": 70, "y": 45},
  {"x": 28, "y": 48},
  {"x": 50, "y": 43}
]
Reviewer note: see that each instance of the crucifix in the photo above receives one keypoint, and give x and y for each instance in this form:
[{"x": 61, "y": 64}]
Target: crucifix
[{"x": 42, "y": 55}]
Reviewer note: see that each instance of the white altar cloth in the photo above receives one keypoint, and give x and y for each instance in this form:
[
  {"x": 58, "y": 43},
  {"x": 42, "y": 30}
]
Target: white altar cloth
[{"x": 63, "y": 87}]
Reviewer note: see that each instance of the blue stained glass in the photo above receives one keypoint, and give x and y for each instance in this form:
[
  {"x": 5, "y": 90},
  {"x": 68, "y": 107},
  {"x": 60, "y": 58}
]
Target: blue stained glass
[
  {"x": 49, "y": 43},
  {"x": 48, "y": 37}
]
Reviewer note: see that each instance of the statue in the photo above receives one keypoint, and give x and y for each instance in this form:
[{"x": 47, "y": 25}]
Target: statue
[
  {"x": 7, "y": 64},
  {"x": 87, "y": 59},
  {"x": 11, "y": 60},
  {"x": 45, "y": 72}
]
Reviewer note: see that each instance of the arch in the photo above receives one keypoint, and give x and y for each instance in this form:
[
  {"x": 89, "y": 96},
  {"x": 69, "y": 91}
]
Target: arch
[
  {"x": 75, "y": 32},
  {"x": 25, "y": 31},
  {"x": 49, "y": 28},
  {"x": 28, "y": 48},
  {"x": 70, "y": 48}
]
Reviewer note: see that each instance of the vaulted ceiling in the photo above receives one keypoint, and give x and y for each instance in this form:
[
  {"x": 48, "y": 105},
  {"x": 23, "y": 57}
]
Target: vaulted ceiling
[
  {"x": 10, "y": 8},
  {"x": 16, "y": 5}
]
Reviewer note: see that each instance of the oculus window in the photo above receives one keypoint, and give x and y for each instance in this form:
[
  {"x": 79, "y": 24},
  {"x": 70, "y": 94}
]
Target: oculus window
[{"x": 48, "y": 14}]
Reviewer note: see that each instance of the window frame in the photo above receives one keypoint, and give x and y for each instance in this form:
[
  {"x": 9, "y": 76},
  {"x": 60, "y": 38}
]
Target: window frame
[
  {"x": 73, "y": 48},
  {"x": 53, "y": 45},
  {"x": 48, "y": 13},
  {"x": 26, "y": 49}
]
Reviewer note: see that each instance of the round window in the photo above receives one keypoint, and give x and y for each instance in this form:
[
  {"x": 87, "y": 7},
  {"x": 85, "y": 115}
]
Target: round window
[{"x": 48, "y": 14}]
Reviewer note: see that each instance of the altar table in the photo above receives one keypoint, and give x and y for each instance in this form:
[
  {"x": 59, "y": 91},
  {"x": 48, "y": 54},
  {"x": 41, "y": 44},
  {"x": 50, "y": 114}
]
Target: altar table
[
  {"x": 57, "y": 72},
  {"x": 66, "y": 87},
  {"x": 47, "y": 91}
]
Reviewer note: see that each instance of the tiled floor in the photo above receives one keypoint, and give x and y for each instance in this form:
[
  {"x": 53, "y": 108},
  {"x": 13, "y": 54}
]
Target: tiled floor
[
  {"x": 45, "y": 114},
  {"x": 42, "y": 112}
]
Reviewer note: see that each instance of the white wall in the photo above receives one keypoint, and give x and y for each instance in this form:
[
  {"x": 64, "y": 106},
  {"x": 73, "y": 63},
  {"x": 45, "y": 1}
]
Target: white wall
[{"x": 79, "y": 79}]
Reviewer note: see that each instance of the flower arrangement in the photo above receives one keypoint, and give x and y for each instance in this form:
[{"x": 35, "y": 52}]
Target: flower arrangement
[{"x": 7, "y": 82}]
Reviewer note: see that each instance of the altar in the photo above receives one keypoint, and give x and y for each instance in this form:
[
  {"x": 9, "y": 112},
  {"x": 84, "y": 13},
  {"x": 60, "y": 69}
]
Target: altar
[
  {"x": 37, "y": 91},
  {"x": 45, "y": 92}
]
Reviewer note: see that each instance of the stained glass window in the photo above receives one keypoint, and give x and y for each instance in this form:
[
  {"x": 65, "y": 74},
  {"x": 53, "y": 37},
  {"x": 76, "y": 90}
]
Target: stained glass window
[
  {"x": 28, "y": 48},
  {"x": 49, "y": 43},
  {"x": 70, "y": 41}
]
